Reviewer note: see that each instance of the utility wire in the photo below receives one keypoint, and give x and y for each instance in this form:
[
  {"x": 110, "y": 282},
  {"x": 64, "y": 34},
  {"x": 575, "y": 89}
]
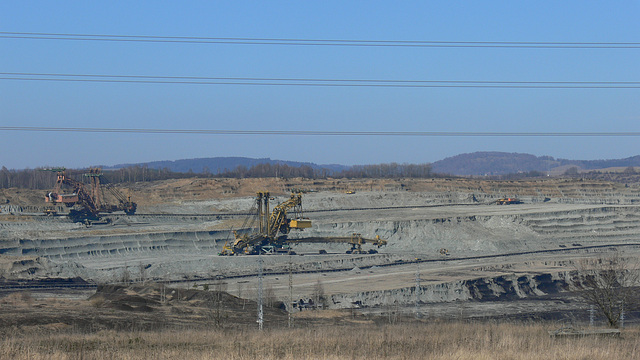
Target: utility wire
[
  {"x": 322, "y": 133},
  {"x": 318, "y": 42},
  {"x": 316, "y": 79},
  {"x": 194, "y": 80}
]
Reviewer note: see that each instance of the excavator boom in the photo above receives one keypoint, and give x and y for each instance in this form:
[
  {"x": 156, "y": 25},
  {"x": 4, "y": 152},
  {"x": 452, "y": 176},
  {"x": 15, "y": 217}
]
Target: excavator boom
[
  {"x": 275, "y": 226},
  {"x": 356, "y": 241},
  {"x": 89, "y": 198}
]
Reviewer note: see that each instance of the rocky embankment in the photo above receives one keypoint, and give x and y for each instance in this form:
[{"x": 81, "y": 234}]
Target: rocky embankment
[{"x": 500, "y": 288}]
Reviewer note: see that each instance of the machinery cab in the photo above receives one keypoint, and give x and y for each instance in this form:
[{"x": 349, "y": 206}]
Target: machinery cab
[
  {"x": 67, "y": 199},
  {"x": 300, "y": 224}
]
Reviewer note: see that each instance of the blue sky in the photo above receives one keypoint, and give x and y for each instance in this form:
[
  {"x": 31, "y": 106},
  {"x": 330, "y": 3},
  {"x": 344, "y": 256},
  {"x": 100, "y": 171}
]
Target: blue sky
[{"x": 242, "y": 107}]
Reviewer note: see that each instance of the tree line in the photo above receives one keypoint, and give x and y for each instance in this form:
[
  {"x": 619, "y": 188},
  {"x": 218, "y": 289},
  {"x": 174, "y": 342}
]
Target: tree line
[
  {"x": 43, "y": 179},
  {"x": 392, "y": 170}
]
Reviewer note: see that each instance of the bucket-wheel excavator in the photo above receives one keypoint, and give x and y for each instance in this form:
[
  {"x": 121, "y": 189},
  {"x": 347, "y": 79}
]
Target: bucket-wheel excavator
[
  {"x": 87, "y": 201},
  {"x": 273, "y": 228}
]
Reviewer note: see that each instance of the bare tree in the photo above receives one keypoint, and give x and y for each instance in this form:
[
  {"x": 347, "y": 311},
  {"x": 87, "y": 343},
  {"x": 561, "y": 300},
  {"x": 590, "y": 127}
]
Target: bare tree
[
  {"x": 241, "y": 294},
  {"x": 269, "y": 296},
  {"x": 142, "y": 272},
  {"x": 318, "y": 296},
  {"x": 611, "y": 285},
  {"x": 125, "y": 277},
  {"x": 216, "y": 303},
  {"x": 163, "y": 294},
  {"x": 393, "y": 310}
]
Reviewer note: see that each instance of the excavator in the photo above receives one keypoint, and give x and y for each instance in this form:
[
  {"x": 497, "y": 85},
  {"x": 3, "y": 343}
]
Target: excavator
[
  {"x": 274, "y": 227},
  {"x": 87, "y": 202}
]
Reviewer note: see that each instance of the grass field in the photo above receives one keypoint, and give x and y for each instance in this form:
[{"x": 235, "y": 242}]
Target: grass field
[{"x": 409, "y": 341}]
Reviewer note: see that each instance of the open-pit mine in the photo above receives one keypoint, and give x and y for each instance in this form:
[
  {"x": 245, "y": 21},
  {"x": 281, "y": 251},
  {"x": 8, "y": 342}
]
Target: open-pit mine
[{"x": 451, "y": 251}]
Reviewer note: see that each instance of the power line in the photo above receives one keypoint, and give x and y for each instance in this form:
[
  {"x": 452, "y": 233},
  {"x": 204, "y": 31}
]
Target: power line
[
  {"x": 316, "y": 79},
  {"x": 320, "y": 132},
  {"x": 196, "y": 80},
  {"x": 318, "y": 42}
]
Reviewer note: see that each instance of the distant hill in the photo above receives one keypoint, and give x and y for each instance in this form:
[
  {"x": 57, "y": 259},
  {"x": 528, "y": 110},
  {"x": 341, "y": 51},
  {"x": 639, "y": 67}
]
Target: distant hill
[
  {"x": 221, "y": 164},
  {"x": 477, "y": 163},
  {"x": 501, "y": 163},
  {"x": 602, "y": 164}
]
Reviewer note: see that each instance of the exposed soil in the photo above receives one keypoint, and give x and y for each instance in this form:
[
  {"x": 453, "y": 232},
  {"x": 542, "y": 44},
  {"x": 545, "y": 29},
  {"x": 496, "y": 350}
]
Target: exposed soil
[
  {"x": 146, "y": 307},
  {"x": 583, "y": 218}
]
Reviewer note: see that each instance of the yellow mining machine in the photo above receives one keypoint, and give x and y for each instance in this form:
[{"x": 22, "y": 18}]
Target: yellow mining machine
[
  {"x": 273, "y": 228},
  {"x": 87, "y": 201},
  {"x": 508, "y": 201}
]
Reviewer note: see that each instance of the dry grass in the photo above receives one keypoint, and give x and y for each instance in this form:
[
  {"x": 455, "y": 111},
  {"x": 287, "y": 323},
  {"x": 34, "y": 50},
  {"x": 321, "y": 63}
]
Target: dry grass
[{"x": 410, "y": 341}]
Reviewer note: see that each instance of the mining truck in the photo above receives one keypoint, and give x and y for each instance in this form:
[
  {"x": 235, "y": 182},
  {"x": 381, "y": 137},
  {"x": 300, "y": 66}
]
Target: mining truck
[{"x": 508, "y": 201}]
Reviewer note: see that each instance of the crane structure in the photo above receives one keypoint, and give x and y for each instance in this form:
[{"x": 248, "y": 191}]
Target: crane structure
[
  {"x": 274, "y": 227},
  {"x": 355, "y": 240},
  {"x": 87, "y": 201}
]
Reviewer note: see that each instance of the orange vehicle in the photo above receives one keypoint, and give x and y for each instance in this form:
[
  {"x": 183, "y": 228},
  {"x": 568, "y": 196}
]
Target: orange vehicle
[{"x": 508, "y": 201}]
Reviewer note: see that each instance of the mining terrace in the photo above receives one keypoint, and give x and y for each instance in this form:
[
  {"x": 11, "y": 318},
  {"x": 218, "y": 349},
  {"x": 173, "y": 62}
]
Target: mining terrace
[{"x": 451, "y": 250}]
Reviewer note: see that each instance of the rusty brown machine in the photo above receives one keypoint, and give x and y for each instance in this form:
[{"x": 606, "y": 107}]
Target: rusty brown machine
[
  {"x": 274, "y": 227},
  {"x": 87, "y": 201}
]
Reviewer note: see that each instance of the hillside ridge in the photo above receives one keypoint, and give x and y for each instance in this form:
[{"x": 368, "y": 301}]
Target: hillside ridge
[
  {"x": 502, "y": 163},
  {"x": 468, "y": 164}
]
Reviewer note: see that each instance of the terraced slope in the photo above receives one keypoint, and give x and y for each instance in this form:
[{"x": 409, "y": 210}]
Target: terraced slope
[{"x": 417, "y": 217}]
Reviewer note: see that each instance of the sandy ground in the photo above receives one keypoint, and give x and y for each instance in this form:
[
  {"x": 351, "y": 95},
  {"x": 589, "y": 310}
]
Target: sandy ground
[{"x": 418, "y": 218}]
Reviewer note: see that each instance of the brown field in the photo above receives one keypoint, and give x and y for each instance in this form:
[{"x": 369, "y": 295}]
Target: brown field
[
  {"x": 457, "y": 340},
  {"x": 133, "y": 323}
]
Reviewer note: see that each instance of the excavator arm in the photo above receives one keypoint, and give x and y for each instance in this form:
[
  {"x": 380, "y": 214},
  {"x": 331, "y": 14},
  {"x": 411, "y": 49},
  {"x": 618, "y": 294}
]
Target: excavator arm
[
  {"x": 278, "y": 222},
  {"x": 125, "y": 203},
  {"x": 88, "y": 197},
  {"x": 79, "y": 194},
  {"x": 273, "y": 227},
  {"x": 242, "y": 242},
  {"x": 356, "y": 241}
]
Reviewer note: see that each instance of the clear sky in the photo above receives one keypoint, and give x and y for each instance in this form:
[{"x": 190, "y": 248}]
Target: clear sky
[{"x": 37, "y": 103}]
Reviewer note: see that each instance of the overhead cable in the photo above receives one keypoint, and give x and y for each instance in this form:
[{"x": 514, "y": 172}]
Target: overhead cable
[
  {"x": 320, "y": 132},
  {"x": 317, "y": 42},
  {"x": 197, "y": 80}
]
